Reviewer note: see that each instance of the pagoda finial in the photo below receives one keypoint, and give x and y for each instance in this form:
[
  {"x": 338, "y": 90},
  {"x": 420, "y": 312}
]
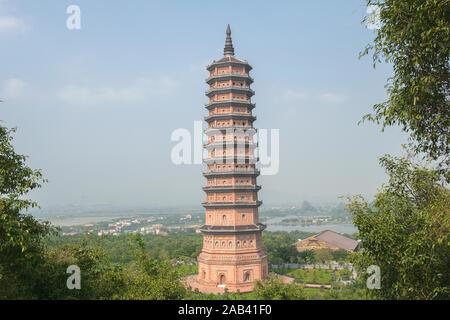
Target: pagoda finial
[{"x": 229, "y": 50}]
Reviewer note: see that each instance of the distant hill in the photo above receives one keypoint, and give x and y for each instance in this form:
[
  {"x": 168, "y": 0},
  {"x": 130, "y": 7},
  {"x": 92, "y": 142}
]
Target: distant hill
[{"x": 307, "y": 207}]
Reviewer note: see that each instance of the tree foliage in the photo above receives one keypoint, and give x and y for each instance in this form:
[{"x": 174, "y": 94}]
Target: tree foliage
[
  {"x": 21, "y": 249},
  {"x": 307, "y": 256},
  {"x": 279, "y": 246},
  {"x": 340, "y": 255},
  {"x": 150, "y": 279},
  {"x": 274, "y": 288},
  {"x": 100, "y": 279},
  {"x": 323, "y": 255},
  {"x": 406, "y": 232},
  {"x": 414, "y": 36}
]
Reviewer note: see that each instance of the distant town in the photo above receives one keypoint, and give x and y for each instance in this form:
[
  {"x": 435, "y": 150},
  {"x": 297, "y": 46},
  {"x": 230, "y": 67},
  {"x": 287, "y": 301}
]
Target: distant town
[
  {"x": 164, "y": 222},
  {"x": 157, "y": 225}
]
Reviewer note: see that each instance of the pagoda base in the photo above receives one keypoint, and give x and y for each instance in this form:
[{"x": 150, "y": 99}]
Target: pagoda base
[{"x": 193, "y": 283}]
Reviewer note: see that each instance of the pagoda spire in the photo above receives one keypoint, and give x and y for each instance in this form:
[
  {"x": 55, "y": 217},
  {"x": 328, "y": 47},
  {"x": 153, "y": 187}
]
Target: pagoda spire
[{"x": 228, "y": 50}]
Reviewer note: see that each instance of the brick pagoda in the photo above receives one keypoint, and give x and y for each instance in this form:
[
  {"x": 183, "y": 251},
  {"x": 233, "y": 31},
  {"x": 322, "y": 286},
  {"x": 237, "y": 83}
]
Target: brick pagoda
[{"x": 233, "y": 256}]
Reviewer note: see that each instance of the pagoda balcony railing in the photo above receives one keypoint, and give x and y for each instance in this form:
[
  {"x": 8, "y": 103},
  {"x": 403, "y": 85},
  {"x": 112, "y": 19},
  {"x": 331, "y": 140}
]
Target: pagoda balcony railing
[
  {"x": 233, "y": 229},
  {"x": 230, "y": 144},
  {"x": 228, "y": 74},
  {"x": 231, "y": 159},
  {"x": 227, "y": 113},
  {"x": 226, "y": 171},
  {"x": 231, "y": 114},
  {"x": 256, "y": 203},
  {"x": 232, "y": 187},
  {"x": 230, "y": 101},
  {"x": 250, "y": 170},
  {"x": 246, "y": 128},
  {"x": 226, "y": 88}
]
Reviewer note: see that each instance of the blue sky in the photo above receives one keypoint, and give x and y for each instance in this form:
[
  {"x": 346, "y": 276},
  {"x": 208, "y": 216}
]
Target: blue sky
[{"x": 95, "y": 107}]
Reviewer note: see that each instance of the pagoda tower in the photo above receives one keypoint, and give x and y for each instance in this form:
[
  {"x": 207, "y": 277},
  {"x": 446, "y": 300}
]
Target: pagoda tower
[{"x": 233, "y": 256}]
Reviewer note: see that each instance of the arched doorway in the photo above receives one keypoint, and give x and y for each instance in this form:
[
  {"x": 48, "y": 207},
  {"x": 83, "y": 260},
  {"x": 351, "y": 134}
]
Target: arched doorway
[
  {"x": 222, "y": 279},
  {"x": 246, "y": 277}
]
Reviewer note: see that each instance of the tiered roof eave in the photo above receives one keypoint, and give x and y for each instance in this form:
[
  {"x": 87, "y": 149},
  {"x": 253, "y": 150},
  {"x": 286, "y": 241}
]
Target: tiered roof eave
[{"x": 228, "y": 60}]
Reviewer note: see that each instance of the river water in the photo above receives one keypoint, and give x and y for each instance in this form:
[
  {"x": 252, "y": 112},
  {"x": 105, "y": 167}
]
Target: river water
[{"x": 348, "y": 228}]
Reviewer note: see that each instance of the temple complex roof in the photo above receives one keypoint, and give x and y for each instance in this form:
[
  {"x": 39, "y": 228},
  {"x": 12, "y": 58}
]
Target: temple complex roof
[{"x": 327, "y": 239}]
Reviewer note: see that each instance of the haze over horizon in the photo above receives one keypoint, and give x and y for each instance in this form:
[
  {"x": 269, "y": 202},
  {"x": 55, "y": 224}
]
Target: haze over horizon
[{"x": 95, "y": 108}]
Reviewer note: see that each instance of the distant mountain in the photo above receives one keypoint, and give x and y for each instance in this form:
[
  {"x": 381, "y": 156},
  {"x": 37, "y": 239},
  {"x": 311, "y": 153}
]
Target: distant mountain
[{"x": 307, "y": 207}]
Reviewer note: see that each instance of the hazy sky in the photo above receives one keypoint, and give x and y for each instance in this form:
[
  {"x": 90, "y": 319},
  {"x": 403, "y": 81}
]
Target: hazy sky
[{"x": 95, "y": 107}]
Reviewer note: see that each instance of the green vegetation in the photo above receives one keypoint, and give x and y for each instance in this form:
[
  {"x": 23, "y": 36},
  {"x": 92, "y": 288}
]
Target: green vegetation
[
  {"x": 406, "y": 232},
  {"x": 21, "y": 250},
  {"x": 279, "y": 247},
  {"x": 312, "y": 276},
  {"x": 414, "y": 38},
  {"x": 274, "y": 289},
  {"x": 186, "y": 270},
  {"x": 183, "y": 246},
  {"x": 354, "y": 291}
]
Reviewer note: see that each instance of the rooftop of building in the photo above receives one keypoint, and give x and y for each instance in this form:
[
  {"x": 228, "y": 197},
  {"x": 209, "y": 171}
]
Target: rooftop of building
[{"x": 334, "y": 238}]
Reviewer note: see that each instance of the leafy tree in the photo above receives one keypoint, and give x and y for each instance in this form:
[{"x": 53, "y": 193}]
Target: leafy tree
[
  {"x": 99, "y": 278},
  {"x": 340, "y": 255},
  {"x": 353, "y": 291},
  {"x": 274, "y": 288},
  {"x": 406, "y": 232},
  {"x": 307, "y": 256},
  {"x": 279, "y": 246},
  {"x": 414, "y": 37},
  {"x": 21, "y": 248},
  {"x": 323, "y": 255},
  {"x": 150, "y": 279}
]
